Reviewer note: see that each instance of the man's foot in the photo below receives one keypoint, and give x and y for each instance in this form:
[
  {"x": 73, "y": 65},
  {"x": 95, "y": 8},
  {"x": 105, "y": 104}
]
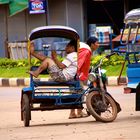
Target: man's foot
[
  {"x": 82, "y": 115},
  {"x": 72, "y": 116},
  {"x": 32, "y": 73}
]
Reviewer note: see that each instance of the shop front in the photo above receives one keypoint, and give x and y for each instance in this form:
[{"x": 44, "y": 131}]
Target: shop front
[{"x": 17, "y": 20}]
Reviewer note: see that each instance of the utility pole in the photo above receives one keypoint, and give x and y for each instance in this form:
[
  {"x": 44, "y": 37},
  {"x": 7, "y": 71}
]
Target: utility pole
[{"x": 46, "y": 12}]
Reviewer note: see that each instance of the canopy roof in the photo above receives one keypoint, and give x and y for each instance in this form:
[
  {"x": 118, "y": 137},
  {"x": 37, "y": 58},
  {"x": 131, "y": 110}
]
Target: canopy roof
[
  {"x": 53, "y": 31},
  {"x": 132, "y": 16}
]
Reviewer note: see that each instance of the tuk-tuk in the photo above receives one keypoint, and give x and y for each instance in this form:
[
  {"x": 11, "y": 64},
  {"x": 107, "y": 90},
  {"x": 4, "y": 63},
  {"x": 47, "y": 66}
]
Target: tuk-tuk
[
  {"x": 46, "y": 95},
  {"x": 130, "y": 38},
  {"x": 36, "y": 94}
]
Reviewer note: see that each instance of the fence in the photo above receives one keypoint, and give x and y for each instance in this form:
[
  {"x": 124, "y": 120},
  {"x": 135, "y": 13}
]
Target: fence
[{"x": 17, "y": 50}]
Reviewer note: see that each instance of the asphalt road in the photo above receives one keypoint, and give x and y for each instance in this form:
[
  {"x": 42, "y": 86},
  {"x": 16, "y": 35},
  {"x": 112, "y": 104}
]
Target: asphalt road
[{"x": 55, "y": 125}]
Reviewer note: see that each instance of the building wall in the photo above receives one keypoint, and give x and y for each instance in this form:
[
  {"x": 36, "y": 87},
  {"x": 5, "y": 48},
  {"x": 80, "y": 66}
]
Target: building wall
[
  {"x": 33, "y": 21},
  {"x": 75, "y": 16},
  {"x": 57, "y": 12},
  {"x": 3, "y": 31},
  {"x": 20, "y": 25},
  {"x": 68, "y": 13},
  {"x": 17, "y": 27}
]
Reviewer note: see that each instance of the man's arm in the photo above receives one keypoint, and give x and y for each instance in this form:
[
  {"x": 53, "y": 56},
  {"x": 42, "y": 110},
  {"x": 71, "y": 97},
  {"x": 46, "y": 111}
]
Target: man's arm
[{"x": 57, "y": 62}]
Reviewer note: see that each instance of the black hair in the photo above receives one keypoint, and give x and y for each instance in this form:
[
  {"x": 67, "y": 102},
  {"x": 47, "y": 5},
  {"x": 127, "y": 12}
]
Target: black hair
[
  {"x": 73, "y": 43},
  {"x": 92, "y": 39}
]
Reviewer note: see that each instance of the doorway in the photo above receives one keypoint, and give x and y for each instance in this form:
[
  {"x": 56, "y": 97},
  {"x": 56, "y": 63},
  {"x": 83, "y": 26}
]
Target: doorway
[{"x": 109, "y": 12}]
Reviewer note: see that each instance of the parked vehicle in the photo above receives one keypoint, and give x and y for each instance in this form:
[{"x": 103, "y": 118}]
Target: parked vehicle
[
  {"x": 131, "y": 40},
  {"x": 50, "y": 95}
]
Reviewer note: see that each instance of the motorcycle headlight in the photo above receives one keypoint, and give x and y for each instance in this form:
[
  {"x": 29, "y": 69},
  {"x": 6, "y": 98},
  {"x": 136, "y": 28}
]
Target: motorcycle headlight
[{"x": 92, "y": 77}]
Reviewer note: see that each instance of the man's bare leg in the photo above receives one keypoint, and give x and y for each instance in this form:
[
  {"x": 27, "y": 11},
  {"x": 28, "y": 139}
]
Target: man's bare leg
[
  {"x": 48, "y": 62},
  {"x": 72, "y": 114},
  {"x": 81, "y": 114},
  {"x": 37, "y": 55}
]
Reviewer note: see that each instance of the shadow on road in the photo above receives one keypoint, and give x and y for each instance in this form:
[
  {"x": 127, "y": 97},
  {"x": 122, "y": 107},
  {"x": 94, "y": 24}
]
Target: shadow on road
[{"x": 65, "y": 123}]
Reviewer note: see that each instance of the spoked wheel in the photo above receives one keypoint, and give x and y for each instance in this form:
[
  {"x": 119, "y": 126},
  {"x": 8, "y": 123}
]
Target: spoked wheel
[
  {"x": 104, "y": 112},
  {"x": 26, "y": 110}
]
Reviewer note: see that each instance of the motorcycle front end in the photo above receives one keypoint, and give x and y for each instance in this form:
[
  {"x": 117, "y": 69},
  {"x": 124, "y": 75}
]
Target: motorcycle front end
[{"x": 100, "y": 104}]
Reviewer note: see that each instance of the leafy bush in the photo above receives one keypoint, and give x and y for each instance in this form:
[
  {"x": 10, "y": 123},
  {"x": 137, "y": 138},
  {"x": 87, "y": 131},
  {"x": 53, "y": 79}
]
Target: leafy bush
[
  {"x": 114, "y": 60},
  {"x": 9, "y": 67},
  {"x": 9, "y": 63},
  {"x": 35, "y": 62}
]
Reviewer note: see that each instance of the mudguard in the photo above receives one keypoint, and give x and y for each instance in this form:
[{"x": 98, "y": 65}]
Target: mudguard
[
  {"x": 117, "y": 104},
  {"x": 27, "y": 90}
]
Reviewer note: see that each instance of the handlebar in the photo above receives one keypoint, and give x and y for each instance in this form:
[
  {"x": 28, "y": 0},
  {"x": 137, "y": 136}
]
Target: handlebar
[
  {"x": 108, "y": 56},
  {"x": 101, "y": 60}
]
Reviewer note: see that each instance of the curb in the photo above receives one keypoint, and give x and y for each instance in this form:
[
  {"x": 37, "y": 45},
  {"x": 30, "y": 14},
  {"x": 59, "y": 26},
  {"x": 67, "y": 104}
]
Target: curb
[
  {"x": 115, "y": 81},
  {"x": 14, "y": 82}
]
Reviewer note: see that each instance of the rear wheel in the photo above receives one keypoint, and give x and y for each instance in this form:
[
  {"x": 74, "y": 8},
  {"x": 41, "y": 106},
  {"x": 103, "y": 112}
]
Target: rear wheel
[
  {"x": 104, "y": 112},
  {"x": 26, "y": 110}
]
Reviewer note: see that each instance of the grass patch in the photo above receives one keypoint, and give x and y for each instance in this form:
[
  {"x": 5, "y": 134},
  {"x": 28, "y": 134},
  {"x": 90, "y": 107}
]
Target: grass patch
[
  {"x": 17, "y": 72},
  {"x": 20, "y": 72},
  {"x": 17, "y": 68},
  {"x": 115, "y": 70},
  {"x": 14, "y": 72}
]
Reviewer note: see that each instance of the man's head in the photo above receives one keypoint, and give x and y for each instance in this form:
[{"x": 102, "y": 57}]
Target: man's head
[
  {"x": 93, "y": 43},
  {"x": 71, "y": 47}
]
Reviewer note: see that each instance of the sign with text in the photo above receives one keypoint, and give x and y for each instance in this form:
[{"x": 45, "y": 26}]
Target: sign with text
[{"x": 37, "y": 6}]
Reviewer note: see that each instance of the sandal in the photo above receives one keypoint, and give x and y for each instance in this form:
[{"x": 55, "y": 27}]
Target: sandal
[
  {"x": 72, "y": 116},
  {"x": 83, "y": 115}
]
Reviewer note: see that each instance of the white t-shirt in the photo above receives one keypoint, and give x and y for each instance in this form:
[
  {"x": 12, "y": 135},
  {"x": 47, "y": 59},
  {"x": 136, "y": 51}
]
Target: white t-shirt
[
  {"x": 71, "y": 66},
  {"x": 84, "y": 45}
]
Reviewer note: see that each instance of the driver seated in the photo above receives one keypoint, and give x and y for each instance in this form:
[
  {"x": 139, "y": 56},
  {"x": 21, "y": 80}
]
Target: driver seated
[{"x": 59, "y": 71}]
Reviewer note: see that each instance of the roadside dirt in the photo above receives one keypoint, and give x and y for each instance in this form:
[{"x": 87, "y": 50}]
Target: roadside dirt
[{"x": 55, "y": 125}]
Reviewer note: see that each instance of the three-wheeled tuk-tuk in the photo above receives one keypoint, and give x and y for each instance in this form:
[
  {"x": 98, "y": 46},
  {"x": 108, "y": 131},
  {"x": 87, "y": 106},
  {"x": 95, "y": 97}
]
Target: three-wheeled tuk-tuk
[
  {"x": 51, "y": 95},
  {"x": 131, "y": 40}
]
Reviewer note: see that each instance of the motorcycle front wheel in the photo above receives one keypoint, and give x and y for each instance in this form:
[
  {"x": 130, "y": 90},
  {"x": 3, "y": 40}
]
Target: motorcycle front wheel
[{"x": 104, "y": 112}]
